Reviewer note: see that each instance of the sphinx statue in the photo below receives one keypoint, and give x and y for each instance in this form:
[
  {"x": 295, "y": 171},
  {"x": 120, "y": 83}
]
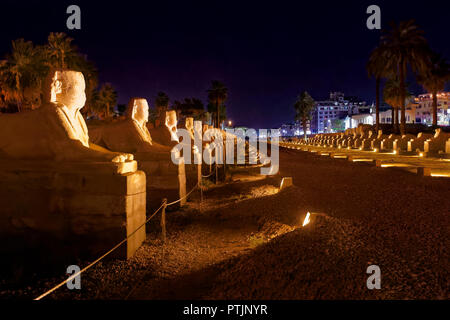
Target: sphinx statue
[
  {"x": 190, "y": 126},
  {"x": 132, "y": 134},
  {"x": 59, "y": 192},
  {"x": 166, "y": 133},
  {"x": 165, "y": 179},
  {"x": 56, "y": 130}
]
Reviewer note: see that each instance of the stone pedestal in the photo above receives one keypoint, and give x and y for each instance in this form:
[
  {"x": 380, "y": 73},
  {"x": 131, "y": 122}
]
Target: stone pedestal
[
  {"x": 164, "y": 180},
  {"x": 70, "y": 211}
]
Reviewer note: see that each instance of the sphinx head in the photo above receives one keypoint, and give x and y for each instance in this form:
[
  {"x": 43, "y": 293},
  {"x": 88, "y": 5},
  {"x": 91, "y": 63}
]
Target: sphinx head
[
  {"x": 198, "y": 127},
  {"x": 189, "y": 123},
  {"x": 138, "y": 110},
  {"x": 66, "y": 87},
  {"x": 171, "y": 119}
]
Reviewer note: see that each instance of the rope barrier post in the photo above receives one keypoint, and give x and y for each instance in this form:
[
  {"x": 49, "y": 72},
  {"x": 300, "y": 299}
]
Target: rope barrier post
[
  {"x": 163, "y": 229},
  {"x": 163, "y": 221}
]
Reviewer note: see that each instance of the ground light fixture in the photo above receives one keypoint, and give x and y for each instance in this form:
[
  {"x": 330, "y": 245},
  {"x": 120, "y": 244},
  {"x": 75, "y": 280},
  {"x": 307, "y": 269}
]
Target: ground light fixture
[{"x": 306, "y": 220}]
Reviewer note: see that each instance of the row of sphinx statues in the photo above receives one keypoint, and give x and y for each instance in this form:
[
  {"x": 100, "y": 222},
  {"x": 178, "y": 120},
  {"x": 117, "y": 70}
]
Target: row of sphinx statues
[
  {"x": 57, "y": 133},
  {"x": 82, "y": 186},
  {"x": 57, "y": 130}
]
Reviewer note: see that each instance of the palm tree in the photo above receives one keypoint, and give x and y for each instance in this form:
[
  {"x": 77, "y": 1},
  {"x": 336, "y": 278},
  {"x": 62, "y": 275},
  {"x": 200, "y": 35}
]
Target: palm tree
[
  {"x": 404, "y": 45},
  {"x": 21, "y": 70},
  {"x": 90, "y": 72},
  {"x": 394, "y": 93},
  {"x": 434, "y": 79},
  {"x": 161, "y": 102},
  {"x": 303, "y": 107},
  {"x": 217, "y": 95},
  {"x": 60, "y": 51},
  {"x": 106, "y": 97},
  {"x": 191, "y": 107},
  {"x": 376, "y": 67}
]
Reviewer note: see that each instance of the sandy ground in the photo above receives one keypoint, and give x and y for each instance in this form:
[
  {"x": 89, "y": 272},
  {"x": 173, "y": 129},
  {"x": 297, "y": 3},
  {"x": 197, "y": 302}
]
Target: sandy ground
[{"x": 245, "y": 241}]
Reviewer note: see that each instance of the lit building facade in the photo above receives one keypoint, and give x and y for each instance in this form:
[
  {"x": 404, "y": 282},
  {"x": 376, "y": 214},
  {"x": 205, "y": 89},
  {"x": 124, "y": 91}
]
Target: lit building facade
[
  {"x": 336, "y": 108},
  {"x": 424, "y": 108},
  {"x": 418, "y": 110}
]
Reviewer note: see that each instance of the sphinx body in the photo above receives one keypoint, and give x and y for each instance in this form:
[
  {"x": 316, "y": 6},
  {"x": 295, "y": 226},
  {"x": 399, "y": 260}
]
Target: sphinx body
[
  {"x": 164, "y": 178},
  {"x": 55, "y": 131},
  {"x": 59, "y": 192},
  {"x": 129, "y": 136},
  {"x": 166, "y": 133}
]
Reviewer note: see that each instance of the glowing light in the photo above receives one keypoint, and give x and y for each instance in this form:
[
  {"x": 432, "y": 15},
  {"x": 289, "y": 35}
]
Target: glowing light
[
  {"x": 440, "y": 175},
  {"x": 362, "y": 160},
  {"x": 421, "y": 154},
  {"x": 400, "y": 165},
  {"x": 375, "y": 150},
  {"x": 307, "y": 220}
]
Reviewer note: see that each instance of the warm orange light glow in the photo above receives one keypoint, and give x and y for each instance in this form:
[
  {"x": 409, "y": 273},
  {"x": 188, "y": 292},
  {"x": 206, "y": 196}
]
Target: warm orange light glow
[
  {"x": 399, "y": 165},
  {"x": 440, "y": 175},
  {"x": 307, "y": 220}
]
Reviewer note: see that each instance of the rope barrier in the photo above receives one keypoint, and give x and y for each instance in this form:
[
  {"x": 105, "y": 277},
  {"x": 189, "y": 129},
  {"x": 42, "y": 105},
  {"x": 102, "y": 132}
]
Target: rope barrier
[
  {"x": 184, "y": 197},
  {"x": 99, "y": 259},
  {"x": 209, "y": 175},
  {"x": 163, "y": 206}
]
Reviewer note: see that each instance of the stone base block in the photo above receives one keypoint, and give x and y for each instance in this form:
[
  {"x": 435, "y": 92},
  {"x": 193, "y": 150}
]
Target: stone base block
[
  {"x": 164, "y": 180},
  {"x": 69, "y": 213}
]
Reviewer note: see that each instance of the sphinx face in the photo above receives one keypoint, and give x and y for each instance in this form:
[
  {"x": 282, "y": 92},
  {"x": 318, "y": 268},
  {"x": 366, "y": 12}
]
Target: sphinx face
[
  {"x": 141, "y": 110},
  {"x": 69, "y": 89},
  {"x": 190, "y": 124},
  {"x": 198, "y": 127},
  {"x": 171, "y": 119}
]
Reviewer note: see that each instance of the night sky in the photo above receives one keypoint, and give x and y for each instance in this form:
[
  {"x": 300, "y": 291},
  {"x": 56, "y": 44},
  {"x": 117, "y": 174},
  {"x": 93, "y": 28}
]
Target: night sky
[{"x": 266, "y": 53}]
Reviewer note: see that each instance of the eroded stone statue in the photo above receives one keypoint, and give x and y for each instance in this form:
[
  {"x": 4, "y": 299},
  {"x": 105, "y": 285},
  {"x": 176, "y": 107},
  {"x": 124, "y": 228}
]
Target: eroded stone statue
[
  {"x": 132, "y": 134},
  {"x": 165, "y": 179},
  {"x": 190, "y": 126},
  {"x": 60, "y": 194},
  {"x": 57, "y": 130},
  {"x": 166, "y": 134}
]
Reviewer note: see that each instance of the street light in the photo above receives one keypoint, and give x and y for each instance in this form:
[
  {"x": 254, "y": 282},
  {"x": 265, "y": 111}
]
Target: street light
[{"x": 229, "y": 123}]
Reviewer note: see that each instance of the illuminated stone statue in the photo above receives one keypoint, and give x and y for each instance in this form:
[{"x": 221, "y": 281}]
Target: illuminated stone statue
[
  {"x": 166, "y": 134},
  {"x": 131, "y": 135},
  {"x": 190, "y": 126},
  {"x": 59, "y": 191},
  {"x": 55, "y": 131},
  {"x": 165, "y": 179},
  {"x": 198, "y": 128}
]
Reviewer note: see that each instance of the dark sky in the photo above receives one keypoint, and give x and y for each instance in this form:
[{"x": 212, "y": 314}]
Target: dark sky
[{"x": 265, "y": 52}]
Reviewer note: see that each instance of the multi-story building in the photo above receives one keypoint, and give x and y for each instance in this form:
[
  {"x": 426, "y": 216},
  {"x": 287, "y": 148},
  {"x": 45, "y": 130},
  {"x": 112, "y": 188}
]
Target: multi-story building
[
  {"x": 424, "y": 108},
  {"x": 337, "y": 107},
  {"x": 418, "y": 110}
]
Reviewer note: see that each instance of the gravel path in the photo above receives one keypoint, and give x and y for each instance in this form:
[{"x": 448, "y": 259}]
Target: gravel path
[
  {"x": 386, "y": 217},
  {"x": 246, "y": 240}
]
